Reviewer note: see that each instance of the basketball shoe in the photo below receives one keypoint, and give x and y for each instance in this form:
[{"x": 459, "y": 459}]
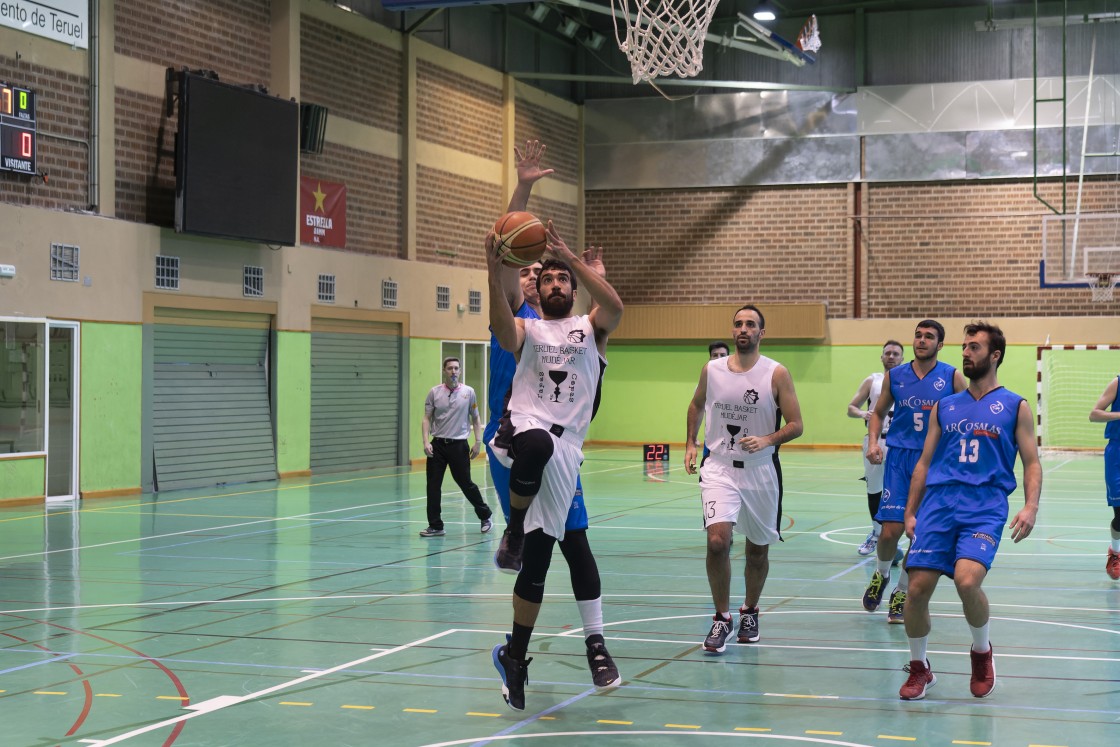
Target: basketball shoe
[
  {"x": 748, "y": 626},
  {"x": 604, "y": 673},
  {"x": 514, "y": 673},
  {"x": 1112, "y": 564},
  {"x": 896, "y": 607},
  {"x": 921, "y": 679},
  {"x": 716, "y": 642},
  {"x": 983, "y": 673},
  {"x": 873, "y": 597},
  {"x": 869, "y": 544}
]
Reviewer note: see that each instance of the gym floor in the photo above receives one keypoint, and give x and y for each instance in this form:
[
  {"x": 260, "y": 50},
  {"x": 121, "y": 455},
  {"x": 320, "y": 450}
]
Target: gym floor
[{"x": 311, "y": 612}]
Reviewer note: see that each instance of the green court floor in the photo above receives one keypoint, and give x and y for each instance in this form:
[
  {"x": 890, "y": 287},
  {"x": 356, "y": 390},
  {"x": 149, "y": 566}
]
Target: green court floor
[{"x": 311, "y": 613}]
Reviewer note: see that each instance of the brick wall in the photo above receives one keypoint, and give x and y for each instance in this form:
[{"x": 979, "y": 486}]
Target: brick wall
[
  {"x": 453, "y": 214},
  {"x": 373, "y": 196},
  {"x": 774, "y": 244},
  {"x": 231, "y": 37},
  {"x": 559, "y": 133},
  {"x": 61, "y": 108},
  {"x": 353, "y": 77},
  {"x": 968, "y": 249},
  {"x": 145, "y": 146},
  {"x": 458, "y": 112}
]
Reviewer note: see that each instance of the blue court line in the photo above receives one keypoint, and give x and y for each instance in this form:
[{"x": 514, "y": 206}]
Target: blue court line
[
  {"x": 537, "y": 717},
  {"x": 52, "y": 660}
]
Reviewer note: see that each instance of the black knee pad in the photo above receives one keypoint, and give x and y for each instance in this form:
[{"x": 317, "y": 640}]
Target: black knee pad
[
  {"x": 581, "y": 565},
  {"x": 1116, "y": 518},
  {"x": 531, "y": 452},
  {"x": 535, "y": 559}
]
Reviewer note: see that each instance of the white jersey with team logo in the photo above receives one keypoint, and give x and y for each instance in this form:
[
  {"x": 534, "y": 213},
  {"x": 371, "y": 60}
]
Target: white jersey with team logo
[
  {"x": 557, "y": 378},
  {"x": 739, "y": 404},
  {"x": 873, "y": 399}
]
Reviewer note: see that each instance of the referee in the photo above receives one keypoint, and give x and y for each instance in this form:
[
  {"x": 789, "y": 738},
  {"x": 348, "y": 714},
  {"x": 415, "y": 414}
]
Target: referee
[{"x": 449, "y": 410}]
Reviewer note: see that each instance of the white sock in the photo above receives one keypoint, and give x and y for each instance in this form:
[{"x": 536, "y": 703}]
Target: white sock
[
  {"x": 980, "y": 642},
  {"x": 876, "y": 529},
  {"x": 903, "y": 579},
  {"x": 1115, "y": 545},
  {"x": 918, "y": 648},
  {"x": 884, "y": 567},
  {"x": 1115, "y": 539},
  {"x": 591, "y": 612}
]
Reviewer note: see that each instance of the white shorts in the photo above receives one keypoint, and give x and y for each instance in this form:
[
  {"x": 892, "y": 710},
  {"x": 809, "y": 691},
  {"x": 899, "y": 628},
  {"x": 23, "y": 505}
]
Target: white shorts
[
  {"x": 549, "y": 510},
  {"x": 873, "y": 473},
  {"x": 745, "y": 496}
]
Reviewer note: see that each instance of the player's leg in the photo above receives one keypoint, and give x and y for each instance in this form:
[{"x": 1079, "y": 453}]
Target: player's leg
[
  {"x": 435, "y": 466},
  {"x": 587, "y": 588},
  {"x": 719, "y": 500},
  {"x": 873, "y": 476},
  {"x": 511, "y": 658},
  {"x": 759, "y": 515},
  {"x": 531, "y": 451},
  {"x": 977, "y": 542},
  {"x": 1112, "y": 487},
  {"x": 499, "y": 473},
  {"x": 921, "y": 677},
  {"x": 757, "y": 568},
  {"x": 460, "y": 465},
  {"x": 892, "y": 509}
]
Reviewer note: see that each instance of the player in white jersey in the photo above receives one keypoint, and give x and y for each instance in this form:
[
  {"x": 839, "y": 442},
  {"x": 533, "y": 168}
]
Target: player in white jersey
[
  {"x": 555, "y": 391},
  {"x": 742, "y": 398},
  {"x": 861, "y": 407}
]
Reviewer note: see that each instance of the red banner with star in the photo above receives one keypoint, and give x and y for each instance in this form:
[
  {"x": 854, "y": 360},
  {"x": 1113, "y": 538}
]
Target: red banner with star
[{"x": 322, "y": 211}]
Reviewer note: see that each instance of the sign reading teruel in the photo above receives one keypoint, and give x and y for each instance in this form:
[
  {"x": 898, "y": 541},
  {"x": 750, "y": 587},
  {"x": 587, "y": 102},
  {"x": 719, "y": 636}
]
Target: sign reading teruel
[
  {"x": 66, "y": 21},
  {"x": 322, "y": 212}
]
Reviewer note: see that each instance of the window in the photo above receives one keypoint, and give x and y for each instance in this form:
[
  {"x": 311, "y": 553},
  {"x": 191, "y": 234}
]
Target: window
[
  {"x": 64, "y": 262},
  {"x": 474, "y": 361},
  {"x": 443, "y": 298},
  {"x": 475, "y": 301},
  {"x": 389, "y": 294},
  {"x": 326, "y": 289},
  {"x": 22, "y": 376},
  {"x": 167, "y": 273},
  {"x": 253, "y": 282}
]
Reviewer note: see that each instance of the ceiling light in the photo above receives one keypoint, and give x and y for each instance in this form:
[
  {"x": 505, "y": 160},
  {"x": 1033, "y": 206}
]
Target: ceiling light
[
  {"x": 537, "y": 11},
  {"x": 593, "y": 40},
  {"x": 568, "y": 27},
  {"x": 764, "y": 12}
]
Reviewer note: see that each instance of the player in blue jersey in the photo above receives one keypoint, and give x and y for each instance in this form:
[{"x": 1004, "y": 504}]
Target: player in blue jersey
[
  {"x": 958, "y": 505},
  {"x": 911, "y": 389},
  {"x": 520, "y": 288},
  {"x": 1107, "y": 411}
]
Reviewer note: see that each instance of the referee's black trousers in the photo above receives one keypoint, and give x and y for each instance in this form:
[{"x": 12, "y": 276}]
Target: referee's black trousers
[{"x": 456, "y": 455}]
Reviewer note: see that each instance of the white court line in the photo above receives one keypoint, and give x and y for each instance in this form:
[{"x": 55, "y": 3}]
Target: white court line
[
  {"x": 672, "y": 734},
  {"x": 225, "y": 701}
]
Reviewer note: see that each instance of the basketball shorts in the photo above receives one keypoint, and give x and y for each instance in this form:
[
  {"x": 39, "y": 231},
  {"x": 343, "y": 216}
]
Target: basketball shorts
[
  {"x": 549, "y": 510},
  {"x": 499, "y": 475},
  {"x": 1112, "y": 471},
  {"x": 958, "y": 521},
  {"x": 898, "y": 467},
  {"x": 748, "y": 497},
  {"x": 873, "y": 473}
]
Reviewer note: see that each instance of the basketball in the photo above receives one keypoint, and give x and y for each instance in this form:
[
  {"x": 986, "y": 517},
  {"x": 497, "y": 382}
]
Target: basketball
[{"x": 521, "y": 239}]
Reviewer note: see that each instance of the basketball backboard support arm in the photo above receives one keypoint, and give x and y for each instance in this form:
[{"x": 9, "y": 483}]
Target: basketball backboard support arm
[{"x": 786, "y": 50}]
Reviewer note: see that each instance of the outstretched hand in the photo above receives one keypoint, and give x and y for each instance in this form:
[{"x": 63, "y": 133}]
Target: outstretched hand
[
  {"x": 493, "y": 256},
  {"x": 593, "y": 258},
  {"x": 529, "y": 163},
  {"x": 556, "y": 245}
]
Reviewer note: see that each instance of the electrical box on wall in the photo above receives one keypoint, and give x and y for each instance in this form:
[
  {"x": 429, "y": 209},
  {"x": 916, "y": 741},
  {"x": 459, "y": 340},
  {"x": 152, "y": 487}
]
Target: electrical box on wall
[{"x": 7, "y": 271}]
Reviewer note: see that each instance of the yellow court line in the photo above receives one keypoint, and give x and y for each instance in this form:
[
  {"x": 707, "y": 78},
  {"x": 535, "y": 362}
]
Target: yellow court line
[
  {"x": 360, "y": 708},
  {"x": 899, "y": 739},
  {"x": 981, "y": 744},
  {"x": 295, "y": 703},
  {"x": 825, "y": 733},
  {"x": 419, "y": 710},
  {"x": 106, "y": 695},
  {"x": 751, "y": 728},
  {"x": 49, "y": 692},
  {"x": 799, "y": 695},
  {"x": 171, "y": 697},
  {"x": 1046, "y": 745},
  {"x": 616, "y": 723},
  {"x": 682, "y": 726},
  {"x": 546, "y": 718},
  {"x": 488, "y": 715}
]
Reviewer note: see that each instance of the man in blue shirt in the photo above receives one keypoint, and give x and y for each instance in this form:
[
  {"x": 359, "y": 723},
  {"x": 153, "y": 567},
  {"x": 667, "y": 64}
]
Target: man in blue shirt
[
  {"x": 1107, "y": 411},
  {"x": 958, "y": 506}
]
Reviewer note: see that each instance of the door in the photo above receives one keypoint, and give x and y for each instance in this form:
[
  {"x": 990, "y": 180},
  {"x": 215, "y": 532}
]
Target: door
[{"x": 62, "y": 410}]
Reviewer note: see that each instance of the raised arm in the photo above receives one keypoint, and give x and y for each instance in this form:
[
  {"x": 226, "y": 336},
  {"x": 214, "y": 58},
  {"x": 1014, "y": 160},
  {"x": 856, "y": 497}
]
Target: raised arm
[
  {"x": 921, "y": 471},
  {"x": 529, "y": 172},
  {"x": 1024, "y": 521},
  {"x": 1101, "y": 412},
  {"x": 855, "y": 407},
  {"x": 607, "y": 312},
  {"x": 695, "y": 415},
  {"x": 508, "y": 330}
]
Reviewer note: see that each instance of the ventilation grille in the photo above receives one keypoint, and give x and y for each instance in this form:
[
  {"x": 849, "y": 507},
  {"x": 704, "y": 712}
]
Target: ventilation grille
[
  {"x": 326, "y": 289},
  {"x": 388, "y": 294},
  {"x": 167, "y": 272},
  {"x": 475, "y": 302},
  {"x": 253, "y": 282},
  {"x": 443, "y": 298},
  {"x": 64, "y": 262}
]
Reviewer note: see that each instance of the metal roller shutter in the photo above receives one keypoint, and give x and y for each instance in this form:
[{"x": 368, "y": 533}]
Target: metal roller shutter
[
  {"x": 211, "y": 418},
  {"x": 355, "y": 394}
]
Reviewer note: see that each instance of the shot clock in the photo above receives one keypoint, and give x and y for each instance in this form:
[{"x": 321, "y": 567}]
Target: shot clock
[
  {"x": 17, "y": 130},
  {"x": 655, "y": 452}
]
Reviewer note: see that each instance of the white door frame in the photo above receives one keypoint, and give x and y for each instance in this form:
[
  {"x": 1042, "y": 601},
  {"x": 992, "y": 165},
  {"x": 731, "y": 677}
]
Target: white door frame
[{"x": 75, "y": 403}]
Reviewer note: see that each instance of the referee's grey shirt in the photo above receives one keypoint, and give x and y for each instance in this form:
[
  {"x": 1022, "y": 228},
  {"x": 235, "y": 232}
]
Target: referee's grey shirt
[{"x": 450, "y": 411}]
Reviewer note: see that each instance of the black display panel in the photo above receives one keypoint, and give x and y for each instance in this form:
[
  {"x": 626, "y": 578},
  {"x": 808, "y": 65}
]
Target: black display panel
[
  {"x": 236, "y": 162},
  {"x": 17, "y": 130}
]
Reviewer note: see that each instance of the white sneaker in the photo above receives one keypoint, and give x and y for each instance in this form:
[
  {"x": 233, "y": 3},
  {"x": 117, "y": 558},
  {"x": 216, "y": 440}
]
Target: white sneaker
[{"x": 869, "y": 544}]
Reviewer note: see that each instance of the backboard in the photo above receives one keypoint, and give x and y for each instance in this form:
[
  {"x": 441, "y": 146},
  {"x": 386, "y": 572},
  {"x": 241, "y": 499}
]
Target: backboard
[{"x": 1078, "y": 247}]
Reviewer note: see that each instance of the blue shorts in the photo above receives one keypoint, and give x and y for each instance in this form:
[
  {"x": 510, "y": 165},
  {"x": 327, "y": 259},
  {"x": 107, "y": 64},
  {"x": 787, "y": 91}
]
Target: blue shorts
[
  {"x": 1112, "y": 472},
  {"x": 577, "y": 513},
  {"x": 958, "y": 521},
  {"x": 896, "y": 483}
]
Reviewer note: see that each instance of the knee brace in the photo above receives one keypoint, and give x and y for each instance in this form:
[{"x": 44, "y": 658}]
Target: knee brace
[
  {"x": 1116, "y": 518},
  {"x": 582, "y": 567},
  {"x": 535, "y": 559},
  {"x": 531, "y": 452}
]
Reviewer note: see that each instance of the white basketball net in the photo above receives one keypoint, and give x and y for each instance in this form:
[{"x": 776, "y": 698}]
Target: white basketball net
[
  {"x": 1101, "y": 286},
  {"x": 663, "y": 37}
]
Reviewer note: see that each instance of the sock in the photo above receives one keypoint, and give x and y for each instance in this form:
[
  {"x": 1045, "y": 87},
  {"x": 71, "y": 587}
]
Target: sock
[
  {"x": 591, "y": 612},
  {"x": 903, "y": 579},
  {"x": 517, "y": 519},
  {"x": 745, "y": 608},
  {"x": 519, "y": 641},
  {"x": 884, "y": 567},
  {"x": 918, "y": 648},
  {"x": 876, "y": 528},
  {"x": 1115, "y": 536},
  {"x": 980, "y": 642},
  {"x": 725, "y": 616},
  {"x": 1115, "y": 545}
]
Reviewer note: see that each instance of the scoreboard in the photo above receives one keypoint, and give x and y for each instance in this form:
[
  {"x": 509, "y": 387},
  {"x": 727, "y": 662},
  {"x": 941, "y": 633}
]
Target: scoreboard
[{"x": 17, "y": 130}]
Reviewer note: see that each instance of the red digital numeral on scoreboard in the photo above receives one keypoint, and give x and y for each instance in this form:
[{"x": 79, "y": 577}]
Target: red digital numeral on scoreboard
[{"x": 25, "y": 142}]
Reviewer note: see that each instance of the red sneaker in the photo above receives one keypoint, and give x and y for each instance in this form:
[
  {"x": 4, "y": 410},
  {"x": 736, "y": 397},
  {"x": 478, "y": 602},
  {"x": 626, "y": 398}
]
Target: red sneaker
[
  {"x": 1112, "y": 565},
  {"x": 983, "y": 673},
  {"x": 921, "y": 679}
]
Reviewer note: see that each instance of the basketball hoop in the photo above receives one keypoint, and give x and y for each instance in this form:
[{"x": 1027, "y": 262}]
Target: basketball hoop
[
  {"x": 809, "y": 40},
  {"x": 663, "y": 37},
  {"x": 1101, "y": 284}
]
